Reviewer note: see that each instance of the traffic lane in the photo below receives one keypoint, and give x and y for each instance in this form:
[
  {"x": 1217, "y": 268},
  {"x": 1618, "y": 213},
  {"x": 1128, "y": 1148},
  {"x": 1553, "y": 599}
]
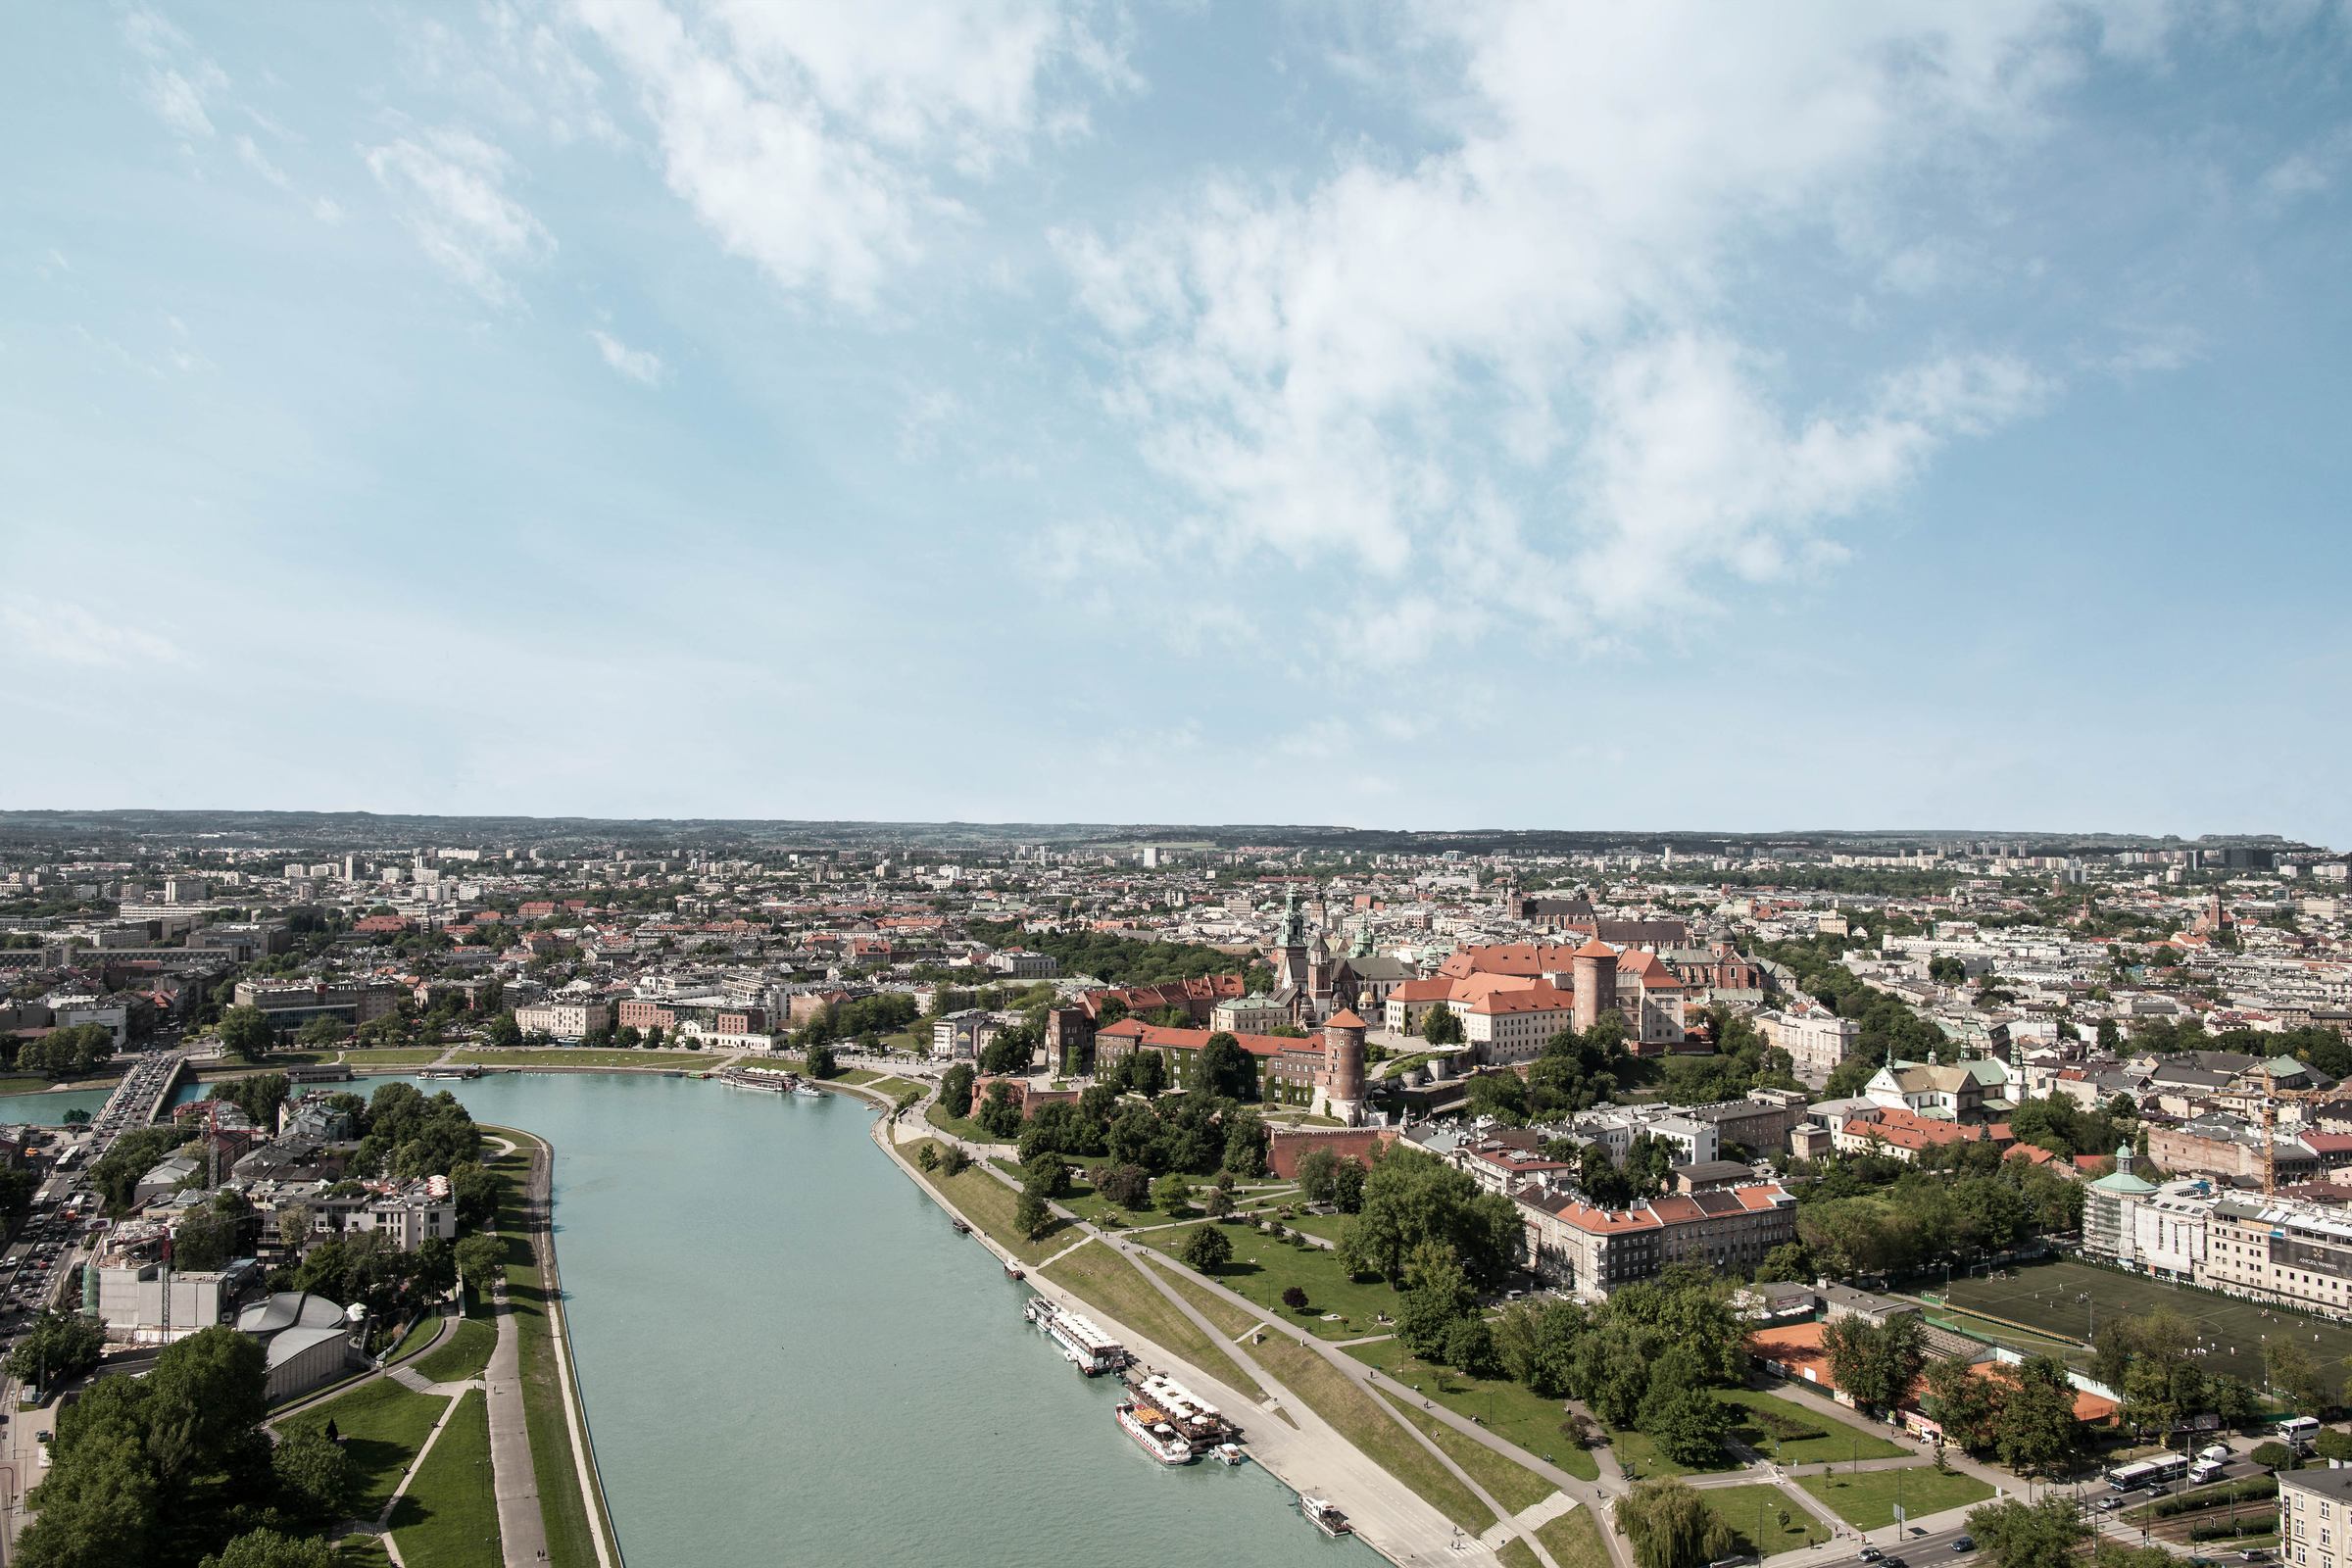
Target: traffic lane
[{"x": 1914, "y": 1551}]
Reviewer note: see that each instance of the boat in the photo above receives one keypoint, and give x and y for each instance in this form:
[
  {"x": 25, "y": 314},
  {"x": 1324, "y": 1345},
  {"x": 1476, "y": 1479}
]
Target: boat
[
  {"x": 1324, "y": 1517},
  {"x": 766, "y": 1080},
  {"x": 1013, "y": 1272},
  {"x": 1092, "y": 1351},
  {"x": 962, "y": 1227},
  {"x": 1195, "y": 1420},
  {"x": 1149, "y": 1428},
  {"x": 1227, "y": 1453},
  {"x": 807, "y": 1090}
]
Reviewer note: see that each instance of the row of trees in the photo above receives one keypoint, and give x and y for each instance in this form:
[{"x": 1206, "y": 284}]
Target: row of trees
[
  {"x": 1198, "y": 1131},
  {"x": 69, "y": 1053}
]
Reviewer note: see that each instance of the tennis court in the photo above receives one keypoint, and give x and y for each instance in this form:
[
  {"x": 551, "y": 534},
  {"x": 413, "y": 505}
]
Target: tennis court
[{"x": 2072, "y": 1299}]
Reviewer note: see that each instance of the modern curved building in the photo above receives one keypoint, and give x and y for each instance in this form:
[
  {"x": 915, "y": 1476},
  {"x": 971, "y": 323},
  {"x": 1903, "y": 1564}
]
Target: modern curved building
[{"x": 308, "y": 1339}]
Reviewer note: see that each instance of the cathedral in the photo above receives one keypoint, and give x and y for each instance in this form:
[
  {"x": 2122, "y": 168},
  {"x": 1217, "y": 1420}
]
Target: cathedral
[{"x": 1312, "y": 981}]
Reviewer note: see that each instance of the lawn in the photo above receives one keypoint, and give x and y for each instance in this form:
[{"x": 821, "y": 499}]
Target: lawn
[
  {"x": 569, "y": 1544},
  {"x": 449, "y": 1516},
  {"x": 1843, "y": 1440},
  {"x": 1508, "y": 1409},
  {"x": 2043, "y": 1297},
  {"x": 401, "y": 1058},
  {"x": 1514, "y": 1486},
  {"x": 894, "y": 1087},
  {"x": 1634, "y": 1449},
  {"x": 1356, "y": 1416},
  {"x": 1574, "y": 1540},
  {"x": 24, "y": 1086},
  {"x": 1103, "y": 1278},
  {"x": 420, "y": 1335},
  {"x": 1745, "y": 1508},
  {"x": 382, "y": 1425},
  {"x": 1263, "y": 1267},
  {"x": 1866, "y": 1501},
  {"x": 462, "y": 1359},
  {"x": 989, "y": 1204},
  {"x": 961, "y": 1126}
]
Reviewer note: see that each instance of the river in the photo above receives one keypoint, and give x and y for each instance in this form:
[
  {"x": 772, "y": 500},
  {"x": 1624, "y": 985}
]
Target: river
[{"x": 790, "y": 1358}]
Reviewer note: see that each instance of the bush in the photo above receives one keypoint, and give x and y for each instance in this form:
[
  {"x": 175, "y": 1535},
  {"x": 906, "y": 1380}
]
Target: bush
[
  {"x": 2217, "y": 1496},
  {"x": 2276, "y": 1455},
  {"x": 1781, "y": 1427}
]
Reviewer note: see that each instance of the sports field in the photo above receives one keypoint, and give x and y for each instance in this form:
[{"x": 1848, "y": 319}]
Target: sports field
[{"x": 2070, "y": 1298}]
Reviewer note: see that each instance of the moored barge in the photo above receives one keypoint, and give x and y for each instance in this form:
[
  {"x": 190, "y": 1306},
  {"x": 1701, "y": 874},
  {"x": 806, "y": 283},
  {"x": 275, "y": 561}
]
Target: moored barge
[{"x": 1092, "y": 1351}]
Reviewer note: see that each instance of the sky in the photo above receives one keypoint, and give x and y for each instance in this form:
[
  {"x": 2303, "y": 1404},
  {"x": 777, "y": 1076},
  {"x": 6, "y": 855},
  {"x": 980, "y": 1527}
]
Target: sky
[{"x": 1424, "y": 417}]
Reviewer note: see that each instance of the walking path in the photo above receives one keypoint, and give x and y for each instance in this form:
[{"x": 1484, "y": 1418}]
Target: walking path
[{"x": 521, "y": 1528}]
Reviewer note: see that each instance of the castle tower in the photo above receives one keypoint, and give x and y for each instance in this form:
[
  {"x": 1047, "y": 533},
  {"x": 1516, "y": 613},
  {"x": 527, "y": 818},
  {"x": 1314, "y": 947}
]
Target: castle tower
[
  {"x": 1340, "y": 1086},
  {"x": 1594, "y": 969}
]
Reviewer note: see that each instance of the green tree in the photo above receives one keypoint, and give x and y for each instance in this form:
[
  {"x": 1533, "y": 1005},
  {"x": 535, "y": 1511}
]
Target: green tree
[
  {"x": 1440, "y": 1026},
  {"x": 246, "y": 1034},
  {"x": 1316, "y": 1170},
  {"x": 2293, "y": 1377},
  {"x": 1786, "y": 1262},
  {"x": 2021, "y": 1534},
  {"x": 1412, "y": 1198},
  {"x": 266, "y": 1549},
  {"x": 1030, "y": 1215},
  {"x": 955, "y": 1090},
  {"x": 1689, "y": 1425},
  {"x": 1225, "y": 1069},
  {"x": 315, "y": 1477},
  {"x": 1666, "y": 1523},
  {"x": 323, "y": 1030},
  {"x": 1172, "y": 1194},
  {"x": 481, "y": 1262},
  {"x": 1206, "y": 1249},
  {"x": 2036, "y": 1430},
  {"x": 1470, "y": 1348},
  {"x": 504, "y": 1030},
  {"x": 1348, "y": 1187},
  {"x": 57, "y": 1346},
  {"x": 1962, "y": 1402}
]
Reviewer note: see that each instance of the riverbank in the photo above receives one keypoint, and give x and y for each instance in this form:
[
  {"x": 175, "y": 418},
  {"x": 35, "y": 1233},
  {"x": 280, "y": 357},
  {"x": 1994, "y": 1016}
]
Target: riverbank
[{"x": 568, "y": 1485}]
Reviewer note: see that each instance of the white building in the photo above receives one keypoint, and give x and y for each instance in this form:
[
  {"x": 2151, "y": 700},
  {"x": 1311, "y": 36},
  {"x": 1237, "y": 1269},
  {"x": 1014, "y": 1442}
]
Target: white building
[{"x": 565, "y": 1017}]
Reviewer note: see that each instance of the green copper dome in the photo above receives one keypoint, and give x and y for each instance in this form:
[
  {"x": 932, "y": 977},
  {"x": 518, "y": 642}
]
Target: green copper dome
[{"x": 2122, "y": 1182}]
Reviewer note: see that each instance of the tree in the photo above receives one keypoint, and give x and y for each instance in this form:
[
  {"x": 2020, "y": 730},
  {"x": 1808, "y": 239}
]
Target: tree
[
  {"x": 1666, "y": 1523},
  {"x": 1218, "y": 1204},
  {"x": 1172, "y": 1194},
  {"x": 1317, "y": 1169},
  {"x": 1412, "y": 1198},
  {"x": 481, "y": 1259},
  {"x": 1207, "y": 1250},
  {"x": 955, "y": 1090},
  {"x": 57, "y": 1345},
  {"x": 1030, "y": 1215},
  {"x": 1225, "y": 1069},
  {"x": 2293, "y": 1377},
  {"x": 1689, "y": 1425},
  {"x": 2022, "y": 1534},
  {"x": 504, "y": 1030},
  {"x": 1786, "y": 1262},
  {"x": 1470, "y": 1348},
  {"x": 323, "y": 1030},
  {"x": 1440, "y": 1295},
  {"x": 1294, "y": 1298},
  {"x": 817, "y": 1061},
  {"x": 1348, "y": 1187},
  {"x": 2036, "y": 1430},
  {"x": 954, "y": 1161},
  {"x": 1962, "y": 1402},
  {"x": 474, "y": 1191},
  {"x": 1875, "y": 1363},
  {"x": 314, "y": 1476},
  {"x": 1440, "y": 1026},
  {"x": 1246, "y": 1142},
  {"x": 266, "y": 1549},
  {"x": 245, "y": 1033}
]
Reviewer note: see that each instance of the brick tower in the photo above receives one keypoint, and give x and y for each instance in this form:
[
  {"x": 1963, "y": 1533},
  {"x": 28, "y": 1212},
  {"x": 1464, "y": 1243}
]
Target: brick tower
[
  {"x": 1594, "y": 968},
  {"x": 1340, "y": 1086}
]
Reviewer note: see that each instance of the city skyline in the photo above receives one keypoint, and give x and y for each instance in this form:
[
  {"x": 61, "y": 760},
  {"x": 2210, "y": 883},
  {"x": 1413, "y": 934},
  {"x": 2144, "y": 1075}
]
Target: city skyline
[{"x": 1435, "y": 419}]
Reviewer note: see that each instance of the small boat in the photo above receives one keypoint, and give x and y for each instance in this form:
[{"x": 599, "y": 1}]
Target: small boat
[
  {"x": 807, "y": 1090},
  {"x": 1227, "y": 1453},
  {"x": 962, "y": 1227},
  {"x": 1324, "y": 1517},
  {"x": 1013, "y": 1272},
  {"x": 1150, "y": 1429}
]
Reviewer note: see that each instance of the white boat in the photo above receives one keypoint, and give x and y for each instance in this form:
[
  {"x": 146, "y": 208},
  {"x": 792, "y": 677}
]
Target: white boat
[
  {"x": 1090, "y": 1350},
  {"x": 1158, "y": 1438},
  {"x": 808, "y": 1091},
  {"x": 1324, "y": 1517},
  {"x": 1227, "y": 1453}
]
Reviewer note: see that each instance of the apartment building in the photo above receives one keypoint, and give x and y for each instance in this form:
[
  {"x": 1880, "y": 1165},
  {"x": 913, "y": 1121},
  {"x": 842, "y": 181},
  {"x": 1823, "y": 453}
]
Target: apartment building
[
  {"x": 1817, "y": 1040},
  {"x": 2314, "y": 1506},
  {"x": 565, "y": 1017},
  {"x": 1592, "y": 1251}
]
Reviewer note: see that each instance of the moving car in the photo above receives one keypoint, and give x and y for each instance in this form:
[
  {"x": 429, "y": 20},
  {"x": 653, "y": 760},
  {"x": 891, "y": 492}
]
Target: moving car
[{"x": 1963, "y": 1544}]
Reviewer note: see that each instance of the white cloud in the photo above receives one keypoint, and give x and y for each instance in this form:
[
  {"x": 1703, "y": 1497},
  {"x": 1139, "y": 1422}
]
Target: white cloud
[
  {"x": 66, "y": 633},
  {"x": 450, "y": 185},
  {"x": 804, "y": 136},
  {"x": 252, "y": 154},
  {"x": 1514, "y": 381},
  {"x": 328, "y": 210},
  {"x": 178, "y": 83},
  {"x": 638, "y": 364}
]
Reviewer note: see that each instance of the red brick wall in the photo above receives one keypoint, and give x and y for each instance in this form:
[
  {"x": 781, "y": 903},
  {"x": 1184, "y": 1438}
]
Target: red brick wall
[{"x": 1355, "y": 1143}]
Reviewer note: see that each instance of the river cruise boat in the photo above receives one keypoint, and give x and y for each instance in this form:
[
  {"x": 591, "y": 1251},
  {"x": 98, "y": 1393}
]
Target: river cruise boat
[
  {"x": 1151, "y": 1429},
  {"x": 468, "y": 1072},
  {"x": 1092, "y": 1351},
  {"x": 1326, "y": 1518},
  {"x": 766, "y": 1080},
  {"x": 1199, "y": 1422}
]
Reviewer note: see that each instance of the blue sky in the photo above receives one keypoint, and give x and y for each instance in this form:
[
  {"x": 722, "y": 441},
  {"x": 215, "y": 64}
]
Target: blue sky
[{"x": 1503, "y": 416}]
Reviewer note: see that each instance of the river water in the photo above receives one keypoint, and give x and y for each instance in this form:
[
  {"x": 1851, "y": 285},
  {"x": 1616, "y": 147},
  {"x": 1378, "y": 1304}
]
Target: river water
[{"x": 790, "y": 1358}]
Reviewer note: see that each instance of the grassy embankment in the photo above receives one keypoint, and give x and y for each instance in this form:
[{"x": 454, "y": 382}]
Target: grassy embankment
[
  {"x": 397, "y": 1056},
  {"x": 449, "y": 1516},
  {"x": 463, "y": 1358},
  {"x": 963, "y": 1127},
  {"x": 1866, "y": 1501},
  {"x": 569, "y": 1544},
  {"x": 1103, "y": 1278},
  {"x": 1514, "y": 1486},
  {"x": 1748, "y": 1509},
  {"x": 1262, "y": 1268},
  {"x": 1510, "y": 1410},
  {"x": 1356, "y": 1416},
  {"x": 581, "y": 1056},
  {"x": 989, "y": 1204},
  {"x": 420, "y": 1334},
  {"x": 382, "y": 1425}
]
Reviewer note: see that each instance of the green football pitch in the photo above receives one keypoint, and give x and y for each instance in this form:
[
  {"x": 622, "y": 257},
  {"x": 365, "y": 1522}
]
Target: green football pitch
[{"x": 2072, "y": 1299}]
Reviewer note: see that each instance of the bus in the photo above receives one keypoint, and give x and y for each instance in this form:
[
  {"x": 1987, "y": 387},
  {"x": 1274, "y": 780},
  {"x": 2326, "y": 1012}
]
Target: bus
[
  {"x": 2296, "y": 1432},
  {"x": 2148, "y": 1472}
]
